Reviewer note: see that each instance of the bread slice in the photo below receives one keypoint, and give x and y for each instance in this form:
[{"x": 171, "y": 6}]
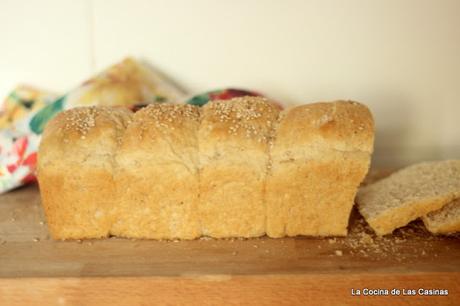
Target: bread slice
[
  {"x": 156, "y": 174},
  {"x": 408, "y": 194},
  {"x": 75, "y": 170},
  {"x": 320, "y": 155},
  {"x": 233, "y": 145},
  {"x": 445, "y": 220}
]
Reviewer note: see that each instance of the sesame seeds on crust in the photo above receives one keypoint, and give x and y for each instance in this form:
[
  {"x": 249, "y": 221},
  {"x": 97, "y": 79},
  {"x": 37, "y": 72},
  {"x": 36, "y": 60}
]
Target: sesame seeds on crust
[
  {"x": 166, "y": 116},
  {"x": 84, "y": 120},
  {"x": 248, "y": 116},
  {"x": 81, "y": 119}
]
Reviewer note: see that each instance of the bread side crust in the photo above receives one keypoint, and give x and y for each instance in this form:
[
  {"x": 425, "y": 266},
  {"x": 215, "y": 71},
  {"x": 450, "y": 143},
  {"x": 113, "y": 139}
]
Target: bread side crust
[
  {"x": 164, "y": 175},
  {"x": 233, "y": 141},
  {"x": 156, "y": 174},
  {"x": 75, "y": 170},
  {"x": 320, "y": 155}
]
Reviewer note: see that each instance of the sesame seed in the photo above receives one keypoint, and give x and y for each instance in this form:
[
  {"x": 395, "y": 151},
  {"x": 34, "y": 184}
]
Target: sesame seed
[
  {"x": 83, "y": 119},
  {"x": 245, "y": 116},
  {"x": 165, "y": 116}
]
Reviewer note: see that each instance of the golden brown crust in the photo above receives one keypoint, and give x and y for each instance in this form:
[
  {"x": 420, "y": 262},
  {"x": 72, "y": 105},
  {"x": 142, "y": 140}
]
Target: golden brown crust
[
  {"x": 320, "y": 155},
  {"x": 177, "y": 122},
  {"x": 245, "y": 120},
  {"x": 79, "y": 131},
  {"x": 341, "y": 125},
  {"x": 233, "y": 141},
  {"x": 75, "y": 170},
  {"x": 156, "y": 174},
  {"x": 177, "y": 171}
]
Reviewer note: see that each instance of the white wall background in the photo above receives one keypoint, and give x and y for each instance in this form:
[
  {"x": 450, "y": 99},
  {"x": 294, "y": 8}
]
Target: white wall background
[{"x": 402, "y": 58}]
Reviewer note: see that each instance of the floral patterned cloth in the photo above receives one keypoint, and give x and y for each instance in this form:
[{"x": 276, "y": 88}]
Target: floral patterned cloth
[{"x": 18, "y": 145}]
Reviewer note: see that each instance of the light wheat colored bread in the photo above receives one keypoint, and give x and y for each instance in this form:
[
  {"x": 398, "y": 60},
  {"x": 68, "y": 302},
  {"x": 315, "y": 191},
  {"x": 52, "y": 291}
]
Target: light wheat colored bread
[
  {"x": 408, "y": 194},
  {"x": 156, "y": 174},
  {"x": 320, "y": 154},
  {"x": 445, "y": 220},
  {"x": 233, "y": 149},
  {"x": 177, "y": 171},
  {"x": 75, "y": 167}
]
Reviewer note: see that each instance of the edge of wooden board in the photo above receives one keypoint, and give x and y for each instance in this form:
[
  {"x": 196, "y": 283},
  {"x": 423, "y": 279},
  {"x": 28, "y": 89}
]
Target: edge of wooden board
[{"x": 314, "y": 289}]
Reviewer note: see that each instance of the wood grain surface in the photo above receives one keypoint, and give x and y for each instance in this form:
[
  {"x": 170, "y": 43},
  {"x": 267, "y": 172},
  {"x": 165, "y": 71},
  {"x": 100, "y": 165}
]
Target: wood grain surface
[{"x": 35, "y": 270}]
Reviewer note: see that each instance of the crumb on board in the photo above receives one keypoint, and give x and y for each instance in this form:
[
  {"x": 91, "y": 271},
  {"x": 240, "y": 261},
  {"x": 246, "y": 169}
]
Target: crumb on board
[
  {"x": 338, "y": 252},
  {"x": 362, "y": 241}
]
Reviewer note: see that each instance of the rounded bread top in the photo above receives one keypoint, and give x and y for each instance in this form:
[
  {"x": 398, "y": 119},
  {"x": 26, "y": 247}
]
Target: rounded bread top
[
  {"x": 82, "y": 133},
  {"x": 341, "y": 125}
]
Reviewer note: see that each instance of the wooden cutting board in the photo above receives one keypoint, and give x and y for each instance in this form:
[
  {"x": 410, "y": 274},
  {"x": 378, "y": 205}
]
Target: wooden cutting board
[{"x": 291, "y": 271}]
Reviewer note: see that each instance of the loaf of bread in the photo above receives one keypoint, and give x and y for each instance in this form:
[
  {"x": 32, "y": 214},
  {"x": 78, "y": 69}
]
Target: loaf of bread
[
  {"x": 320, "y": 155},
  {"x": 233, "y": 168},
  {"x": 445, "y": 220},
  {"x": 75, "y": 170},
  {"x": 408, "y": 194},
  {"x": 156, "y": 174}
]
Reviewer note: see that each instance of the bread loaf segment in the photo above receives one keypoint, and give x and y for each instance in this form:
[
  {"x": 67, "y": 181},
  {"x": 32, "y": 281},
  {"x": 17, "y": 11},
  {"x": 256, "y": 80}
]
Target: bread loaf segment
[
  {"x": 233, "y": 145},
  {"x": 320, "y": 155},
  {"x": 157, "y": 174},
  {"x": 75, "y": 170}
]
